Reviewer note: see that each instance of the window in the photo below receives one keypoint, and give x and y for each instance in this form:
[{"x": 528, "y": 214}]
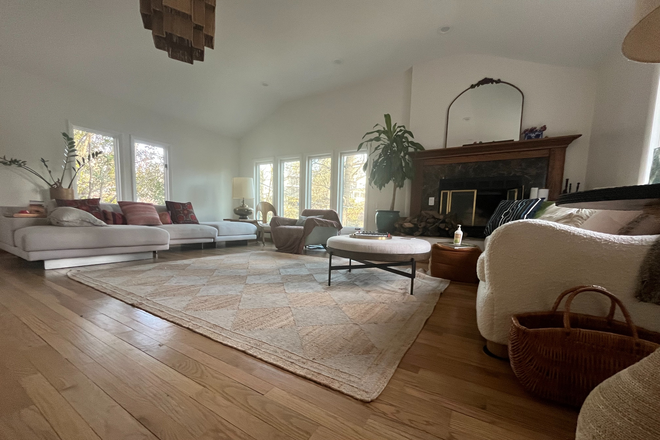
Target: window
[
  {"x": 319, "y": 182},
  {"x": 655, "y": 166},
  {"x": 150, "y": 173},
  {"x": 99, "y": 178},
  {"x": 290, "y": 188},
  {"x": 353, "y": 189},
  {"x": 264, "y": 182}
]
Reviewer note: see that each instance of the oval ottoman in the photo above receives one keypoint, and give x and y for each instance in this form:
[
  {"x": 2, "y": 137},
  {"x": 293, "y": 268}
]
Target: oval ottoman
[{"x": 397, "y": 251}]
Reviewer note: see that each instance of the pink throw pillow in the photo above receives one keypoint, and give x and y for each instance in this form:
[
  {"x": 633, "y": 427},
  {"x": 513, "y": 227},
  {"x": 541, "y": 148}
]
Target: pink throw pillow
[
  {"x": 165, "y": 218},
  {"x": 142, "y": 214}
]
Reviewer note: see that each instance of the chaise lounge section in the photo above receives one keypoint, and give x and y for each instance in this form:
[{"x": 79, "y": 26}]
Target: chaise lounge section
[{"x": 34, "y": 239}]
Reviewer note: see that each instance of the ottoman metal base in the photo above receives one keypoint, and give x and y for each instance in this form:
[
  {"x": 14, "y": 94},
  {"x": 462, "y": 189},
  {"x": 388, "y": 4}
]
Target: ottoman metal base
[{"x": 376, "y": 261}]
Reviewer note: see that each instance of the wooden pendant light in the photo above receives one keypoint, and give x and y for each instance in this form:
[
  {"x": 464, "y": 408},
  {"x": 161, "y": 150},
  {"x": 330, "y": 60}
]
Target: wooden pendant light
[{"x": 182, "y": 28}]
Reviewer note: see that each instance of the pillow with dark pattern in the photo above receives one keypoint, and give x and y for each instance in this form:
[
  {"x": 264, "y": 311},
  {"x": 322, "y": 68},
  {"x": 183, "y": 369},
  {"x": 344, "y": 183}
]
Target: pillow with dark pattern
[
  {"x": 511, "y": 210},
  {"x": 182, "y": 213},
  {"x": 88, "y": 205},
  {"x": 114, "y": 218}
]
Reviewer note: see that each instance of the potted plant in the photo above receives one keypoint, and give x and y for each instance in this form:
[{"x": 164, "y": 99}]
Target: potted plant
[
  {"x": 391, "y": 161},
  {"x": 70, "y": 164}
]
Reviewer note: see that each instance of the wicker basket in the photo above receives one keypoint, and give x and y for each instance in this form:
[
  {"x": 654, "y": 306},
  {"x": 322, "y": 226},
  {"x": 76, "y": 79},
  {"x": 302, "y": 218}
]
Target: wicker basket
[{"x": 562, "y": 356}]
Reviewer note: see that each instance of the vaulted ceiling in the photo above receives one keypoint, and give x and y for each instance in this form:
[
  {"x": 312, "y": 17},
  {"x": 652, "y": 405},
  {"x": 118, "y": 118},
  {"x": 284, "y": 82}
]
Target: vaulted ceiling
[{"x": 297, "y": 47}]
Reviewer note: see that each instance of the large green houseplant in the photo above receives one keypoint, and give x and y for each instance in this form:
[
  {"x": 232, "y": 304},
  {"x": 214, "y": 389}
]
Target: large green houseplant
[
  {"x": 71, "y": 166},
  {"x": 391, "y": 162}
]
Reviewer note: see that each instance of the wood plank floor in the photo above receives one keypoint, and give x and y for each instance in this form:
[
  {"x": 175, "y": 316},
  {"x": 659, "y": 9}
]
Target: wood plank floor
[{"x": 78, "y": 364}]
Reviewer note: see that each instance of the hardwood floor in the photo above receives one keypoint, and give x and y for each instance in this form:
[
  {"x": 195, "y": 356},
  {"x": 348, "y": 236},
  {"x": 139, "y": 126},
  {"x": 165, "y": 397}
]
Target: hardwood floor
[{"x": 78, "y": 364}]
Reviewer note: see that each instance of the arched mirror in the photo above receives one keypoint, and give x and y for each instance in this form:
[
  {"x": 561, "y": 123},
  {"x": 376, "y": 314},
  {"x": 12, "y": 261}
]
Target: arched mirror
[{"x": 488, "y": 111}]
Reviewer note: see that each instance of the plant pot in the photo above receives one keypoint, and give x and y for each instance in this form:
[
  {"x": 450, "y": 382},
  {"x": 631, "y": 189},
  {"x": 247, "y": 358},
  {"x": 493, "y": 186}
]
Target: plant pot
[
  {"x": 385, "y": 220},
  {"x": 61, "y": 193}
]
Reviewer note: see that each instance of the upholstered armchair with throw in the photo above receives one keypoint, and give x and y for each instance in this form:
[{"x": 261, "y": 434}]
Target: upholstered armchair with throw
[{"x": 314, "y": 227}]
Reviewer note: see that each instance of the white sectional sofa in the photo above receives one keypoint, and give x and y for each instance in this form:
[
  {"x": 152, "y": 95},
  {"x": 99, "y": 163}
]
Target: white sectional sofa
[{"x": 34, "y": 239}]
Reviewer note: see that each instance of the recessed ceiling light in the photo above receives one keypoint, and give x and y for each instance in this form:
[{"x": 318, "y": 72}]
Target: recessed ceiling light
[
  {"x": 337, "y": 61},
  {"x": 265, "y": 84},
  {"x": 444, "y": 29}
]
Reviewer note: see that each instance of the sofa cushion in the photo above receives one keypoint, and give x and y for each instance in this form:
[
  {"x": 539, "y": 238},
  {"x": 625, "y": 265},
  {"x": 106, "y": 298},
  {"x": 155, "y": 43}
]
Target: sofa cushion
[
  {"x": 185, "y": 232},
  {"x": 114, "y": 218},
  {"x": 88, "y": 205},
  {"x": 232, "y": 228},
  {"x": 511, "y": 210},
  {"x": 165, "y": 218},
  {"x": 182, "y": 212},
  {"x": 567, "y": 216},
  {"x": 47, "y": 238},
  {"x": 140, "y": 213},
  {"x": 71, "y": 217}
]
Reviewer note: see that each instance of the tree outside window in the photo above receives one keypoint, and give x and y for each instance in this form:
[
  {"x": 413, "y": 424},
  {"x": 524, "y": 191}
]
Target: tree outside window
[
  {"x": 265, "y": 179},
  {"x": 320, "y": 182},
  {"x": 353, "y": 190},
  {"x": 99, "y": 178},
  {"x": 291, "y": 188},
  {"x": 150, "y": 173},
  {"x": 655, "y": 167}
]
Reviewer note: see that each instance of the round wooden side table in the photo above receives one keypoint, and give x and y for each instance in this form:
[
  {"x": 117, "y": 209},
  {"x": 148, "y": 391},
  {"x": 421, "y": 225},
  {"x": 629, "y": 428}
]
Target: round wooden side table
[{"x": 455, "y": 263}]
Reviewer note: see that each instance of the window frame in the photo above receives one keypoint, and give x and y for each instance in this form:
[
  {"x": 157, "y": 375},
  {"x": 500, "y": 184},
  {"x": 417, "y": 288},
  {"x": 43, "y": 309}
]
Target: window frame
[
  {"x": 340, "y": 184},
  {"x": 308, "y": 177},
  {"x": 257, "y": 181},
  {"x": 166, "y": 149},
  {"x": 118, "y": 155},
  {"x": 280, "y": 183}
]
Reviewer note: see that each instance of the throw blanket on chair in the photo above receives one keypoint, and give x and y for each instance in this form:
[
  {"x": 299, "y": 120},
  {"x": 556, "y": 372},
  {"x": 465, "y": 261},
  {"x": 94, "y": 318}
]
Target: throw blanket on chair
[{"x": 291, "y": 238}]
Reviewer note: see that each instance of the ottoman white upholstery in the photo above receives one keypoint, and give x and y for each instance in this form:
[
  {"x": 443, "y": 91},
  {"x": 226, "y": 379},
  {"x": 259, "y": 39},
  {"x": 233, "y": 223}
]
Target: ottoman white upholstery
[
  {"x": 390, "y": 250},
  {"x": 397, "y": 251}
]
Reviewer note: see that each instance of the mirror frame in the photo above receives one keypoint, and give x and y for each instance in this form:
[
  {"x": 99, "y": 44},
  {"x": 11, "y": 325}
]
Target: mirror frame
[{"x": 484, "y": 82}]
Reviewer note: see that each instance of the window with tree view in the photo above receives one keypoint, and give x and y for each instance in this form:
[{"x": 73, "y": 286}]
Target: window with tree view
[
  {"x": 319, "y": 182},
  {"x": 353, "y": 189},
  {"x": 99, "y": 178},
  {"x": 265, "y": 182},
  {"x": 290, "y": 187},
  {"x": 150, "y": 168},
  {"x": 654, "y": 177}
]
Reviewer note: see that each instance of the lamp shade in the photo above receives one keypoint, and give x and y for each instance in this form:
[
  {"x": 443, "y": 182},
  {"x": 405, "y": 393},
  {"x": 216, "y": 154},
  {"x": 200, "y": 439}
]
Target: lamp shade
[
  {"x": 243, "y": 188},
  {"x": 643, "y": 41}
]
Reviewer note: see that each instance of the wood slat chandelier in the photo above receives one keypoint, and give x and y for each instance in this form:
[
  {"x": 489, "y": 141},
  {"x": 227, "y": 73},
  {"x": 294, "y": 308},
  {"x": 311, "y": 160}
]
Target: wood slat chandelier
[{"x": 182, "y": 28}]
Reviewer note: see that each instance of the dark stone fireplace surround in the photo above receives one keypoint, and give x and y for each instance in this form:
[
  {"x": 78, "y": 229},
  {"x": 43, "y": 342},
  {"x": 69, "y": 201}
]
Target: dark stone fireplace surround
[{"x": 491, "y": 169}]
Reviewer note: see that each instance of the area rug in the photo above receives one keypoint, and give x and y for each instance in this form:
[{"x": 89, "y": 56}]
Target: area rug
[{"x": 278, "y": 307}]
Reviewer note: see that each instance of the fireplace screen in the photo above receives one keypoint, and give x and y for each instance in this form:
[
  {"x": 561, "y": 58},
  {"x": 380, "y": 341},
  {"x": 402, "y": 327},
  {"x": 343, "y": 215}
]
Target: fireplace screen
[{"x": 462, "y": 203}]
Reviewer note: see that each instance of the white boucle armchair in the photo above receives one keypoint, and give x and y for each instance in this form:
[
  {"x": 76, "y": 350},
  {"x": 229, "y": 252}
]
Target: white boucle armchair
[{"x": 528, "y": 263}]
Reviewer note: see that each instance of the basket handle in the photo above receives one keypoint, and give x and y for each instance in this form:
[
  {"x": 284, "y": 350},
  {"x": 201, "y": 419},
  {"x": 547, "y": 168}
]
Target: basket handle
[
  {"x": 610, "y": 315},
  {"x": 572, "y": 293}
]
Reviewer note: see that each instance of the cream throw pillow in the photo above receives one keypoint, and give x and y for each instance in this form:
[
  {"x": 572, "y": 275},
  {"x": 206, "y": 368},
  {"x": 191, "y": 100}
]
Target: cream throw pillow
[
  {"x": 66, "y": 216},
  {"x": 566, "y": 216},
  {"x": 609, "y": 222}
]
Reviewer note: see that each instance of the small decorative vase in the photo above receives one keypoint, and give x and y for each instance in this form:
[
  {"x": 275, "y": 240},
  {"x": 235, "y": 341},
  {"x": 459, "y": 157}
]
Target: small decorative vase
[
  {"x": 61, "y": 193},
  {"x": 385, "y": 220}
]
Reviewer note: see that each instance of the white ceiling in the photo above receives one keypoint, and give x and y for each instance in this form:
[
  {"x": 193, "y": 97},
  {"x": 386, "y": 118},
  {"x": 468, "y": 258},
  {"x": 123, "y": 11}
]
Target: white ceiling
[{"x": 291, "y": 45}]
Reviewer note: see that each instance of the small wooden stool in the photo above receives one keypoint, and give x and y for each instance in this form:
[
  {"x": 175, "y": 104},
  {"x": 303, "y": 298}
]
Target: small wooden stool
[{"x": 455, "y": 264}]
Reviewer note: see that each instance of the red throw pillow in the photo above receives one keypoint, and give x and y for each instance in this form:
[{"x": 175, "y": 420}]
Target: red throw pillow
[
  {"x": 89, "y": 205},
  {"x": 165, "y": 218},
  {"x": 143, "y": 214},
  {"x": 114, "y": 218},
  {"x": 182, "y": 213}
]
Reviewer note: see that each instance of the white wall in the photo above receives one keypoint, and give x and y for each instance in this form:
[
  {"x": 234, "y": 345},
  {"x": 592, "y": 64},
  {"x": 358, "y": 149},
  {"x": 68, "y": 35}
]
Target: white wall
[
  {"x": 621, "y": 130},
  {"x": 332, "y": 122},
  {"x": 34, "y": 111},
  {"x": 560, "y": 97}
]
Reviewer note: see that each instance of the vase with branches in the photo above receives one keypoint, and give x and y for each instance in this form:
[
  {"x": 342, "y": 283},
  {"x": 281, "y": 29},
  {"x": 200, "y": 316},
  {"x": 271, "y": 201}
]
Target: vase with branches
[
  {"x": 391, "y": 162},
  {"x": 72, "y": 163}
]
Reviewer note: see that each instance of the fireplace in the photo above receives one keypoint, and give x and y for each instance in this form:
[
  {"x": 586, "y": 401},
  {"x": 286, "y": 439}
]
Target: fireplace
[
  {"x": 472, "y": 201},
  {"x": 471, "y": 181}
]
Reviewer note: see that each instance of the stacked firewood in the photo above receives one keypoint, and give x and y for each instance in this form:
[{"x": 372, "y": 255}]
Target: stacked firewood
[{"x": 428, "y": 223}]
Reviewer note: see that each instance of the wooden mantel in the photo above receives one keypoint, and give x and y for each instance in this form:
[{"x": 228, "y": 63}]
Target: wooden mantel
[{"x": 554, "y": 148}]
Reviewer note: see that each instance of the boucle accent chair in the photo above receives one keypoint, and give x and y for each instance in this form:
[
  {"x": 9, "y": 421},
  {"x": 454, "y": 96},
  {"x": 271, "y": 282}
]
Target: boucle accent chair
[
  {"x": 528, "y": 263},
  {"x": 288, "y": 237}
]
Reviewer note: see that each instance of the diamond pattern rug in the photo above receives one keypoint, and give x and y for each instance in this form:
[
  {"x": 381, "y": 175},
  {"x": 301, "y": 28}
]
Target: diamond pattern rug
[{"x": 278, "y": 307}]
